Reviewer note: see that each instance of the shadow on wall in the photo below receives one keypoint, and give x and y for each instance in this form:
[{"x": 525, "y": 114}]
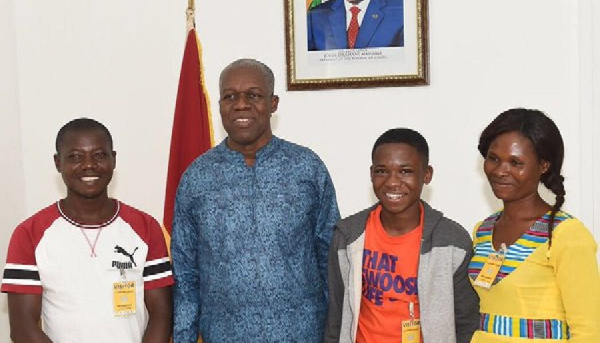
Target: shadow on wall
[{"x": 4, "y": 329}]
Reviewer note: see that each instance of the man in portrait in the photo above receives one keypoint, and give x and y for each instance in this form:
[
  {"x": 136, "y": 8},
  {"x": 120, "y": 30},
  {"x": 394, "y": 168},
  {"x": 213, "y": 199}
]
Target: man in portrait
[{"x": 355, "y": 24}]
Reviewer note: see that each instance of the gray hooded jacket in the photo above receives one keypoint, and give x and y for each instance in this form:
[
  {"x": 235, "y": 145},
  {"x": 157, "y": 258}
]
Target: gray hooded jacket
[{"x": 449, "y": 306}]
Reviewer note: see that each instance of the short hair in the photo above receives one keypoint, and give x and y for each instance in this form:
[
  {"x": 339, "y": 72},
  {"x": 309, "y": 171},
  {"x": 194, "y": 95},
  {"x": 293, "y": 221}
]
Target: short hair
[
  {"x": 266, "y": 72},
  {"x": 80, "y": 125},
  {"x": 547, "y": 142},
  {"x": 406, "y": 136}
]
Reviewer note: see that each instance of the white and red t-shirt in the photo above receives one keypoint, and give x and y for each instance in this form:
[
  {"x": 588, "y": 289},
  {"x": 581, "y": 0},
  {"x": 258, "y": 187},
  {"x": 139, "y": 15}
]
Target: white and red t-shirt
[{"x": 75, "y": 268}]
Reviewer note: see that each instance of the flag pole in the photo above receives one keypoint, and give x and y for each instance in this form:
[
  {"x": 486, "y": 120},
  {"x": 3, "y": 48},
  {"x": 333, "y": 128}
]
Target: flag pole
[{"x": 190, "y": 20}]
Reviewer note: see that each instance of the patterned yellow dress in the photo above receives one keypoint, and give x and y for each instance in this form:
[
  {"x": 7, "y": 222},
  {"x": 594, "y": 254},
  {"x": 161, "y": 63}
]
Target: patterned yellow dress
[{"x": 540, "y": 294}]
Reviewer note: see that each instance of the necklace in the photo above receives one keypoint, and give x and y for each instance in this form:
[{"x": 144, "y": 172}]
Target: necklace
[
  {"x": 92, "y": 246},
  {"x": 90, "y": 226}
]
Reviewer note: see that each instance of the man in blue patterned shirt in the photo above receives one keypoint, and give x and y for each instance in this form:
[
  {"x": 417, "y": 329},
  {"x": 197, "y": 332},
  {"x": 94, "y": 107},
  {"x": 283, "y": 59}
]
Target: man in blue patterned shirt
[{"x": 254, "y": 218}]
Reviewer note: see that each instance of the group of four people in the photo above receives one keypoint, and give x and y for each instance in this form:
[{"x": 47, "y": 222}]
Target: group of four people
[{"x": 260, "y": 254}]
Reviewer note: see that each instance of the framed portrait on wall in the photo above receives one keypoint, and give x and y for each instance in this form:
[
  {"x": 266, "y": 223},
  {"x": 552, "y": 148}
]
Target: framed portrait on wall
[{"x": 356, "y": 43}]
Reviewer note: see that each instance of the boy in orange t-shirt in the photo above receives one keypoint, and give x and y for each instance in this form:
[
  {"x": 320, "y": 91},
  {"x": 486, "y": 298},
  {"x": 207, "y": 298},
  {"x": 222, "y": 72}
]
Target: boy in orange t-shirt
[{"x": 398, "y": 270}]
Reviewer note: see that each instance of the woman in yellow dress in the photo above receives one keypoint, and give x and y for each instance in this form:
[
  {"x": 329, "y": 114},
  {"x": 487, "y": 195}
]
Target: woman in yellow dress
[{"x": 534, "y": 265}]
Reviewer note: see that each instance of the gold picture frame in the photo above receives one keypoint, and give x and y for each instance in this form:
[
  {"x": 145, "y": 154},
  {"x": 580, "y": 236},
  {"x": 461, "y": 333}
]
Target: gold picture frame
[{"x": 392, "y": 52}]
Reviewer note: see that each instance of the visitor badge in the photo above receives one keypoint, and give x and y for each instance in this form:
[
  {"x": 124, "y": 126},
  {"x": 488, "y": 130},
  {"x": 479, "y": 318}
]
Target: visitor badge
[
  {"x": 124, "y": 302},
  {"x": 411, "y": 329},
  {"x": 490, "y": 269}
]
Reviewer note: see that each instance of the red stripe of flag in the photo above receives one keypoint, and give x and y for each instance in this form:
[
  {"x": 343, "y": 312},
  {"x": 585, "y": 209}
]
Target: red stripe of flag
[{"x": 192, "y": 130}]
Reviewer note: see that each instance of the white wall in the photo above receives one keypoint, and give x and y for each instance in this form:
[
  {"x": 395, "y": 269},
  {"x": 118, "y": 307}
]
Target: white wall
[
  {"x": 118, "y": 61},
  {"x": 589, "y": 92},
  {"x": 12, "y": 187}
]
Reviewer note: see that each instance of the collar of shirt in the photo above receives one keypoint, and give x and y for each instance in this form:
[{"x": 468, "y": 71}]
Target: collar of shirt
[
  {"x": 363, "y": 8},
  {"x": 261, "y": 154}
]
